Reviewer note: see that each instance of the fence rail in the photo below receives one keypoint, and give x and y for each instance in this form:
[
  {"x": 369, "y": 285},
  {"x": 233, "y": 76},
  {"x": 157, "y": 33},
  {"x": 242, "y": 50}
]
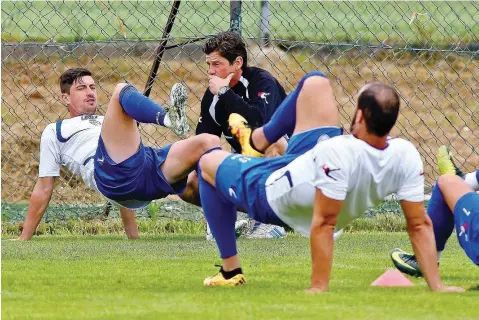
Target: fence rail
[{"x": 428, "y": 50}]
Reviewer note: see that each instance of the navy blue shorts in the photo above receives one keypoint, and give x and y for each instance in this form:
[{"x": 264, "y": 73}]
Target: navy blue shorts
[
  {"x": 136, "y": 181},
  {"x": 241, "y": 179},
  {"x": 466, "y": 219}
]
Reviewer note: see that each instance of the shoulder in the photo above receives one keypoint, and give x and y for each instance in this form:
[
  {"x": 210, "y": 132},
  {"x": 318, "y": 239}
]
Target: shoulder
[
  {"x": 401, "y": 145},
  {"x": 255, "y": 74},
  {"x": 207, "y": 96},
  {"x": 341, "y": 146},
  {"x": 50, "y": 130}
]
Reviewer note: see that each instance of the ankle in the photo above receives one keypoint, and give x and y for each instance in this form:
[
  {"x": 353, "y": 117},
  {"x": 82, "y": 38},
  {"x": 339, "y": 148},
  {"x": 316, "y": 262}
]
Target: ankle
[{"x": 230, "y": 274}]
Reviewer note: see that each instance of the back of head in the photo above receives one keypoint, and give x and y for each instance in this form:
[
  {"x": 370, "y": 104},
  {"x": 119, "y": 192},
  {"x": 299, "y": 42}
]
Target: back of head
[
  {"x": 70, "y": 76},
  {"x": 229, "y": 45},
  {"x": 379, "y": 104}
]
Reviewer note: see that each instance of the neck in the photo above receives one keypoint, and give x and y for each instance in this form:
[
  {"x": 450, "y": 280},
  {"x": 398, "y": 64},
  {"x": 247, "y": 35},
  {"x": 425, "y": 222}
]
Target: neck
[
  {"x": 374, "y": 141},
  {"x": 236, "y": 78},
  {"x": 74, "y": 114}
]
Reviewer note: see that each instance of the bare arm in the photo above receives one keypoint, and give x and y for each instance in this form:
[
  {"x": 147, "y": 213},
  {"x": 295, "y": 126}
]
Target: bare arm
[
  {"x": 128, "y": 217},
  {"x": 326, "y": 211},
  {"x": 419, "y": 228},
  {"x": 41, "y": 195},
  {"x": 276, "y": 149}
]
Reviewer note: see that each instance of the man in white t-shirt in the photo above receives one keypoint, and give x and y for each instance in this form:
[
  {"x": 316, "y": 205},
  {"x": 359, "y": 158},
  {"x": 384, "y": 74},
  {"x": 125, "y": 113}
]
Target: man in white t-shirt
[
  {"x": 321, "y": 190},
  {"x": 71, "y": 143},
  {"x": 108, "y": 152}
]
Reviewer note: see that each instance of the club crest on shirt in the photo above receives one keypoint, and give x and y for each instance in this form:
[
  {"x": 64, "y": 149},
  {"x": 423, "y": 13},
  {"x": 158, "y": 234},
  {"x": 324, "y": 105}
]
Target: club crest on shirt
[
  {"x": 327, "y": 171},
  {"x": 263, "y": 96}
]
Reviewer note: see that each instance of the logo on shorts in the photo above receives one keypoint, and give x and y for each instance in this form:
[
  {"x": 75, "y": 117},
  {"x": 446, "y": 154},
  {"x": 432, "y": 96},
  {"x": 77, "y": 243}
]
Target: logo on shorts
[
  {"x": 100, "y": 160},
  {"x": 464, "y": 230},
  {"x": 232, "y": 192},
  {"x": 328, "y": 171},
  {"x": 263, "y": 96},
  {"x": 466, "y": 211}
]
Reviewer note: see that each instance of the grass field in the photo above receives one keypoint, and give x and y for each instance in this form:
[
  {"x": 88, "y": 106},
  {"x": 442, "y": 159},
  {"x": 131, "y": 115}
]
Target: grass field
[
  {"x": 441, "y": 23},
  {"x": 161, "y": 278}
]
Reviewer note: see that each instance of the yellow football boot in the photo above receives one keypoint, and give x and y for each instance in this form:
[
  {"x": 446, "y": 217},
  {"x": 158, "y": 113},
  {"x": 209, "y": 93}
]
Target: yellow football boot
[
  {"x": 445, "y": 162},
  {"x": 240, "y": 129},
  {"x": 219, "y": 280}
]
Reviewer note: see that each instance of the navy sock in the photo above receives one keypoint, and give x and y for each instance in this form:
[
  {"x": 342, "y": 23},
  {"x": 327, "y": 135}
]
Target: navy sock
[
  {"x": 142, "y": 108},
  {"x": 441, "y": 216},
  {"x": 283, "y": 120},
  {"x": 221, "y": 217}
]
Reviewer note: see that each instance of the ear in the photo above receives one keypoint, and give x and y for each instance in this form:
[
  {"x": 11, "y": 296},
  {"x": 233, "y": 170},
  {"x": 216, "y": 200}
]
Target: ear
[
  {"x": 359, "y": 116},
  {"x": 238, "y": 63},
  {"x": 65, "y": 98}
]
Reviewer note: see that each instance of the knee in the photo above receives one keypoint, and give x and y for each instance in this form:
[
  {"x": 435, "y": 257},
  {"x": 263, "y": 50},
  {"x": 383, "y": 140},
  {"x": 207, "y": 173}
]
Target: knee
[
  {"x": 117, "y": 90},
  {"x": 314, "y": 84},
  {"x": 208, "y": 141}
]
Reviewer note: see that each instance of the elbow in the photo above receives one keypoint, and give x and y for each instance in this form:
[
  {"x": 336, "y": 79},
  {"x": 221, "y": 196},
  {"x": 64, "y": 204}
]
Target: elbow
[
  {"x": 418, "y": 225},
  {"x": 324, "y": 223}
]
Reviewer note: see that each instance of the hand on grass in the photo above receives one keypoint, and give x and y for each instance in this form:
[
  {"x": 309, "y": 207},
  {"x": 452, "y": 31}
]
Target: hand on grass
[
  {"x": 451, "y": 289},
  {"x": 314, "y": 290}
]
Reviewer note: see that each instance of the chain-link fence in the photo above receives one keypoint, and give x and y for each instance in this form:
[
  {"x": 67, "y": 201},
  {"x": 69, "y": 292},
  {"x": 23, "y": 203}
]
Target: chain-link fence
[{"x": 427, "y": 50}]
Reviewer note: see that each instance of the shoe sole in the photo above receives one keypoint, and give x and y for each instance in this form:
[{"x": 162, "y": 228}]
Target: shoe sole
[
  {"x": 177, "y": 110},
  {"x": 403, "y": 266}
]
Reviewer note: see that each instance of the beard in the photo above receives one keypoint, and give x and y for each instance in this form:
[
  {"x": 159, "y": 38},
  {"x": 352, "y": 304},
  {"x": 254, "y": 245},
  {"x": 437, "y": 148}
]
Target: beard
[{"x": 353, "y": 122}]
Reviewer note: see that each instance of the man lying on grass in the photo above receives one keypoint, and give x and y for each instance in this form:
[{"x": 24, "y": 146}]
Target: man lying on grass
[
  {"x": 321, "y": 183},
  {"x": 107, "y": 152},
  {"x": 454, "y": 203}
]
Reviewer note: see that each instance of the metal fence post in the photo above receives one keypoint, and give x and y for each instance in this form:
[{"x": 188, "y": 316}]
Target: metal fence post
[
  {"x": 264, "y": 38},
  {"x": 235, "y": 16}
]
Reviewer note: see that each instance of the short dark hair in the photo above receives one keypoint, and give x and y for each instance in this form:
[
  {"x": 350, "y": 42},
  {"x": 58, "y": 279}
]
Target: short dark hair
[
  {"x": 71, "y": 75},
  {"x": 379, "y": 103},
  {"x": 229, "y": 45}
]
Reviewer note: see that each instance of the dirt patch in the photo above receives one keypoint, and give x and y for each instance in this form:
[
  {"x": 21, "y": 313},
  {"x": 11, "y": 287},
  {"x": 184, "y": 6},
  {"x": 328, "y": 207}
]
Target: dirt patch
[{"x": 439, "y": 103}]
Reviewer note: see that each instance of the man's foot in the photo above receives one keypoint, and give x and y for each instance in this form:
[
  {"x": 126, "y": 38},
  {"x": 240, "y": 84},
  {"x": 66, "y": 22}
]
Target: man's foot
[
  {"x": 220, "y": 279},
  {"x": 445, "y": 162},
  {"x": 258, "y": 230},
  {"x": 239, "y": 128},
  {"x": 405, "y": 262},
  {"x": 177, "y": 110}
]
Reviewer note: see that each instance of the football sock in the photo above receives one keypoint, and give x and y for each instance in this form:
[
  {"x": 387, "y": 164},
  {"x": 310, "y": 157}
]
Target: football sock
[
  {"x": 221, "y": 217},
  {"x": 283, "y": 120},
  {"x": 142, "y": 108},
  {"x": 441, "y": 216},
  {"x": 472, "y": 180},
  {"x": 230, "y": 274}
]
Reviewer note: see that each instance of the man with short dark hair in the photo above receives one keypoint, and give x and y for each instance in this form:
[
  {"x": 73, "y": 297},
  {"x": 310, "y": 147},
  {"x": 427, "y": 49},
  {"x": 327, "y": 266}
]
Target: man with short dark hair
[
  {"x": 321, "y": 183},
  {"x": 71, "y": 143},
  {"x": 234, "y": 87},
  {"x": 108, "y": 152}
]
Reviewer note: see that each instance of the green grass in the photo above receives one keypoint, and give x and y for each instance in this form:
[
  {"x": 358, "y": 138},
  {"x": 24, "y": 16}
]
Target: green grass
[
  {"x": 161, "y": 278},
  {"x": 442, "y": 23}
]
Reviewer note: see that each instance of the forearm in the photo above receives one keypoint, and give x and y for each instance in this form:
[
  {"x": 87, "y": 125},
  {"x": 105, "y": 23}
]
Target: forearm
[
  {"x": 128, "y": 217},
  {"x": 423, "y": 243},
  {"x": 321, "y": 255},
  {"x": 276, "y": 149},
  {"x": 36, "y": 210}
]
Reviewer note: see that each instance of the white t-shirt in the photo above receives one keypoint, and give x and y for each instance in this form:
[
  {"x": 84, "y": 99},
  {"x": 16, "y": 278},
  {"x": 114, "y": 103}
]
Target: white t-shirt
[
  {"x": 349, "y": 169},
  {"x": 72, "y": 143}
]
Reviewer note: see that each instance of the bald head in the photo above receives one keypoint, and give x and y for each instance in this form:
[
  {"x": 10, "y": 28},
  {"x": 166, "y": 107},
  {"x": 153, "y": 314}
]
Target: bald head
[{"x": 380, "y": 106}]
